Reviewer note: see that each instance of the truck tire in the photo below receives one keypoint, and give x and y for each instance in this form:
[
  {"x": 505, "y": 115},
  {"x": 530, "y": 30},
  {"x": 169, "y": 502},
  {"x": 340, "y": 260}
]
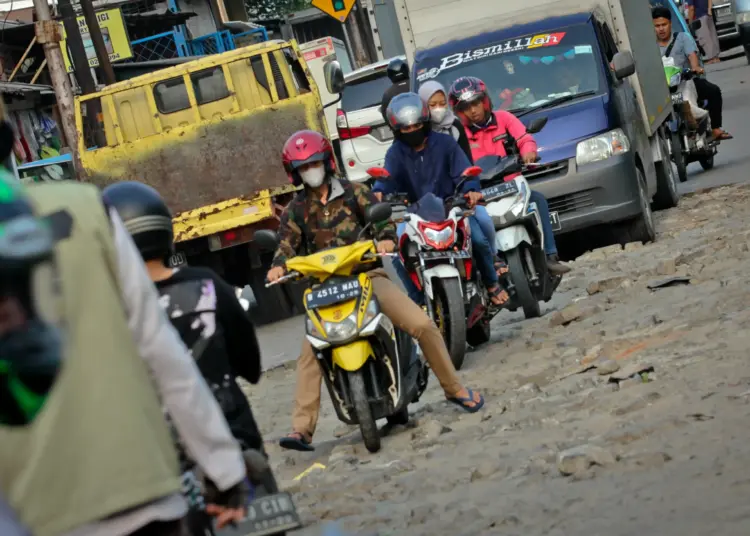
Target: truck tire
[
  {"x": 678, "y": 157},
  {"x": 524, "y": 296},
  {"x": 367, "y": 425},
  {"x": 667, "y": 195},
  {"x": 451, "y": 318},
  {"x": 642, "y": 228}
]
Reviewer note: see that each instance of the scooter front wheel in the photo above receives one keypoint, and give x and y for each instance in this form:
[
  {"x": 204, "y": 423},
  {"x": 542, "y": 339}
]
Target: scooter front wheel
[
  {"x": 524, "y": 295},
  {"x": 367, "y": 425}
]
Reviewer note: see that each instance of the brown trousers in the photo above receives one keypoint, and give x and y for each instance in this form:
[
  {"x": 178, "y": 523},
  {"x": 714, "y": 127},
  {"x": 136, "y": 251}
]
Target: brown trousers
[{"x": 406, "y": 315}]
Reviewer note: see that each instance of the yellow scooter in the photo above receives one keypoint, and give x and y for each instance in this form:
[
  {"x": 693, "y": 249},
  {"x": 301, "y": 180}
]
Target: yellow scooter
[{"x": 372, "y": 369}]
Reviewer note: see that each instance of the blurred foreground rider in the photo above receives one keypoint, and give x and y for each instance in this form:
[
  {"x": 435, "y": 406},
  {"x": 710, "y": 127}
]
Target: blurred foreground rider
[
  {"x": 205, "y": 311},
  {"x": 84, "y": 447}
]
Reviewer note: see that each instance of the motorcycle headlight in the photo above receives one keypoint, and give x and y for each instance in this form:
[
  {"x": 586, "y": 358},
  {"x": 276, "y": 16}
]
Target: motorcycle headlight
[
  {"x": 675, "y": 80},
  {"x": 341, "y": 331},
  {"x": 312, "y": 330},
  {"x": 438, "y": 238},
  {"x": 602, "y": 147}
]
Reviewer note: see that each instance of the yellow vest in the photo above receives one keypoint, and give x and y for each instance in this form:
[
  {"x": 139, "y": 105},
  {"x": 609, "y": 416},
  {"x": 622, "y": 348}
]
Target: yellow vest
[{"x": 101, "y": 444}]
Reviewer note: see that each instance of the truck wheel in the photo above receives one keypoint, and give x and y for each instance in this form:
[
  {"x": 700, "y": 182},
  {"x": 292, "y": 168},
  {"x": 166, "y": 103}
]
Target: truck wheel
[
  {"x": 524, "y": 296},
  {"x": 367, "y": 426},
  {"x": 667, "y": 195},
  {"x": 642, "y": 228},
  {"x": 450, "y": 318},
  {"x": 479, "y": 333},
  {"x": 707, "y": 162},
  {"x": 678, "y": 157}
]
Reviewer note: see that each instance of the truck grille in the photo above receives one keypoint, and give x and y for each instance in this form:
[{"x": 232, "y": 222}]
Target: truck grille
[
  {"x": 550, "y": 170},
  {"x": 571, "y": 202}
]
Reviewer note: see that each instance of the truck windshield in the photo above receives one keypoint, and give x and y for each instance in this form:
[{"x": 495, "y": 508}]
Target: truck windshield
[
  {"x": 526, "y": 71},
  {"x": 364, "y": 92}
]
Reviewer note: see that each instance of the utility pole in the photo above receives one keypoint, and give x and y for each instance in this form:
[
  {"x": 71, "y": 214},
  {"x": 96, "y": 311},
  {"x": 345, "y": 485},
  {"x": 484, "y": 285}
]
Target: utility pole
[
  {"x": 96, "y": 37},
  {"x": 80, "y": 61},
  {"x": 48, "y": 34}
]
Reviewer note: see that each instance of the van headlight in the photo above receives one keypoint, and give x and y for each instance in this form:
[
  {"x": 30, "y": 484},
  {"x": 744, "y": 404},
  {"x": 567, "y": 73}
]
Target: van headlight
[
  {"x": 343, "y": 330},
  {"x": 602, "y": 147}
]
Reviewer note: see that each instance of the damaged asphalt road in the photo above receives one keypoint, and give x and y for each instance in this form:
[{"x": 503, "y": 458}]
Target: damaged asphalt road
[
  {"x": 623, "y": 410},
  {"x": 626, "y": 410}
]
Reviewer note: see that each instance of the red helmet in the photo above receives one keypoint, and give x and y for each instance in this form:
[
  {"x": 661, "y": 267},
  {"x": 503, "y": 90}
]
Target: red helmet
[
  {"x": 304, "y": 147},
  {"x": 466, "y": 90}
]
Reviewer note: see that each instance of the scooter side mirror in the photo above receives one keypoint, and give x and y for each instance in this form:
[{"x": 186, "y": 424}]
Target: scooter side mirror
[
  {"x": 536, "y": 125},
  {"x": 266, "y": 239},
  {"x": 473, "y": 171},
  {"x": 378, "y": 212}
]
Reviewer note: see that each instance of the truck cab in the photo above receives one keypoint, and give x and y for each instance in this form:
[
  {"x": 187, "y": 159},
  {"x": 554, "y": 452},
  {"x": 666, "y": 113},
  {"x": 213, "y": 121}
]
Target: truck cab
[{"x": 596, "y": 151}]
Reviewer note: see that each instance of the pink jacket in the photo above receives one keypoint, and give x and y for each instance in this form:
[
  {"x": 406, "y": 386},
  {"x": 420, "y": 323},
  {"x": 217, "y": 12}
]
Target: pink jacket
[{"x": 489, "y": 140}]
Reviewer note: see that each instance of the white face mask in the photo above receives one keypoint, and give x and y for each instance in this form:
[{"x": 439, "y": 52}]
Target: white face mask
[
  {"x": 313, "y": 177},
  {"x": 438, "y": 114}
]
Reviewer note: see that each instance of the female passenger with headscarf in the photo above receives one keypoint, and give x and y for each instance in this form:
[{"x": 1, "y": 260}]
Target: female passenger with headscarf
[{"x": 443, "y": 120}]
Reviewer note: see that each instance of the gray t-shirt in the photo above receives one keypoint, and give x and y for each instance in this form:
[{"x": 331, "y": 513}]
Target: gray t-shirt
[{"x": 684, "y": 45}]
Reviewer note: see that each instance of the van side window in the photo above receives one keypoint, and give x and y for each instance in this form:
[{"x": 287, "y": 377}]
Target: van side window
[
  {"x": 278, "y": 78},
  {"x": 171, "y": 96},
  {"x": 256, "y": 62},
  {"x": 298, "y": 73},
  {"x": 209, "y": 85}
]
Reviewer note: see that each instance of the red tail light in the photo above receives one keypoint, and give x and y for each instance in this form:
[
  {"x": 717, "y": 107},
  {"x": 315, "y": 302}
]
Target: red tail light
[
  {"x": 346, "y": 133},
  {"x": 437, "y": 235}
]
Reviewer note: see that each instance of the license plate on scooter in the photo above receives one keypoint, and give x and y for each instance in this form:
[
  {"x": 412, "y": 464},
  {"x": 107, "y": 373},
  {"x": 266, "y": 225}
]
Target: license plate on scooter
[
  {"x": 676, "y": 98},
  {"x": 445, "y": 254},
  {"x": 270, "y": 514},
  {"x": 499, "y": 190},
  {"x": 555, "y": 220}
]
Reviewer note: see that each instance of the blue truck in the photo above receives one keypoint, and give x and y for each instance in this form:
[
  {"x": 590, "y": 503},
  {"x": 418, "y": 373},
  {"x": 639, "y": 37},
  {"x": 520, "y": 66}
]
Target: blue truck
[{"x": 593, "y": 69}]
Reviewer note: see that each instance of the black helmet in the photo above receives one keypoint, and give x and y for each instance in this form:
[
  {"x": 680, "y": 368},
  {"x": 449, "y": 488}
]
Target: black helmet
[
  {"x": 146, "y": 217},
  {"x": 398, "y": 70},
  {"x": 30, "y": 341},
  {"x": 405, "y": 110}
]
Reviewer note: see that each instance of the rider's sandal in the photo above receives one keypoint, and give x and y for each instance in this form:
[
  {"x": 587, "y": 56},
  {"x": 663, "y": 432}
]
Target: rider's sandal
[
  {"x": 464, "y": 401},
  {"x": 501, "y": 268},
  {"x": 296, "y": 441},
  {"x": 496, "y": 293}
]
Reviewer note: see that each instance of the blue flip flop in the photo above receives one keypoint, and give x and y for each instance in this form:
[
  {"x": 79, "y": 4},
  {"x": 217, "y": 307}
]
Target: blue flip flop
[{"x": 462, "y": 402}]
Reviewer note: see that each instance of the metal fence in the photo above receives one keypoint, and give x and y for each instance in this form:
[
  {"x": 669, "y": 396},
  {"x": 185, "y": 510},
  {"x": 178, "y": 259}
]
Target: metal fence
[{"x": 169, "y": 45}]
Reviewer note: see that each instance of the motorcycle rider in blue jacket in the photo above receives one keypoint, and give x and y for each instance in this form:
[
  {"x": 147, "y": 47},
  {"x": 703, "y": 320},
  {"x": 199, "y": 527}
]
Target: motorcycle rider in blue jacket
[{"x": 422, "y": 161}]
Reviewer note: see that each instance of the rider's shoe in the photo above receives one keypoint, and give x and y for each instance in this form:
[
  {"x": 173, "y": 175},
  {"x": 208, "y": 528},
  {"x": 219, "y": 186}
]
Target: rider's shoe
[{"x": 555, "y": 267}]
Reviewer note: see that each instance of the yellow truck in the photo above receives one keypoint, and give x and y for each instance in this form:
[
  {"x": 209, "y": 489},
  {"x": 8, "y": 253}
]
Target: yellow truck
[{"x": 207, "y": 134}]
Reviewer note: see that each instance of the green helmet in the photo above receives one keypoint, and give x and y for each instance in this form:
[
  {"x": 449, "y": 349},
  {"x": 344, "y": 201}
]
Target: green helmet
[{"x": 30, "y": 343}]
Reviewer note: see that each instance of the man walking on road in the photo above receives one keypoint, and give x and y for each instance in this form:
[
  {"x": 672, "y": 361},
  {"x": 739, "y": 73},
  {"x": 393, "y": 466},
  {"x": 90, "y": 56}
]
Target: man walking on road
[{"x": 702, "y": 10}]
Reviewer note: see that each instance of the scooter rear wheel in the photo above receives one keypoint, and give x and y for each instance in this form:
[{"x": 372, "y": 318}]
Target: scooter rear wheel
[
  {"x": 678, "y": 157},
  {"x": 524, "y": 296},
  {"x": 707, "y": 162}
]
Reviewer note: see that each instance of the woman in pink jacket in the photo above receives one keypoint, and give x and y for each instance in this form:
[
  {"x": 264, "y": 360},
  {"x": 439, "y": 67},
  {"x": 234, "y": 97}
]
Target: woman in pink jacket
[{"x": 487, "y": 132}]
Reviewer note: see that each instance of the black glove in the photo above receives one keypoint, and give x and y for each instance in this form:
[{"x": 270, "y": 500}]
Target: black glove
[{"x": 234, "y": 497}]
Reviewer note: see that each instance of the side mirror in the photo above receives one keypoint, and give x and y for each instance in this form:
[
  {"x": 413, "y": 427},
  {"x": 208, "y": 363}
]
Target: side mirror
[
  {"x": 378, "y": 212},
  {"x": 473, "y": 171},
  {"x": 378, "y": 173},
  {"x": 624, "y": 65},
  {"x": 536, "y": 125},
  {"x": 334, "y": 77},
  {"x": 246, "y": 297},
  {"x": 267, "y": 240}
]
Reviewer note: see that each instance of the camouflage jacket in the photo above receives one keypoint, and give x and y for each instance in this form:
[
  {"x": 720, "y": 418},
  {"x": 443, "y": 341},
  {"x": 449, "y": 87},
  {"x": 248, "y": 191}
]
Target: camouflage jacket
[{"x": 308, "y": 226}]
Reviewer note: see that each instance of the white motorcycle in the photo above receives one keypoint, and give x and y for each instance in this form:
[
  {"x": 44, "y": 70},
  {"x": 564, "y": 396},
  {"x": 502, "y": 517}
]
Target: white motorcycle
[{"x": 518, "y": 234}]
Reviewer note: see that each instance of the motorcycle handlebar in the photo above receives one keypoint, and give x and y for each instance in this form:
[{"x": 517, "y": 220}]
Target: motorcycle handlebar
[{"x": 295, "y": 274}]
